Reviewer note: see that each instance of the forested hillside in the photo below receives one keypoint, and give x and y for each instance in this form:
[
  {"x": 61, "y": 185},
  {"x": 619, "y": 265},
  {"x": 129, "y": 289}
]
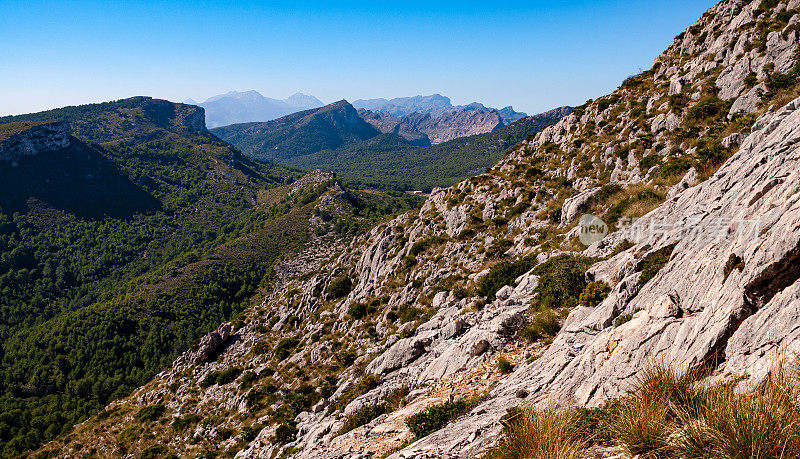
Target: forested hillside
[
  {"x": 121, "y": 249},
  {"x": 388, "y": 161}
]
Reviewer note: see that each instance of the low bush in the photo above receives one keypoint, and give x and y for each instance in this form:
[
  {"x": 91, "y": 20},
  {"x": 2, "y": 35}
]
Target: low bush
[
  {"x": 594, "y": 294},
  {"x": 561, "y": 280},
  {"x": 502, "y": 274},
  {"x": 357, "y": 310},
  {"x": 229, "y": 375},
  {"x": 504, "y": 366},
  {"x": 435, "y": 417},
  {"x": 366, "y": 384},
  {"x": 706, "y": 107},
  {"x": 284, "y": 347},
  {"x": 285, "y": 433},
  {"x": 150, "y": 413},
  {"x": 734, "y": 262},
  {"x": 653, "y": 262},
  {"x": 339, "y": 287},
  {"x": 362, "y": 417},
  {"x": 543, "y": 324},
  {"x": 498, "y": 248}
]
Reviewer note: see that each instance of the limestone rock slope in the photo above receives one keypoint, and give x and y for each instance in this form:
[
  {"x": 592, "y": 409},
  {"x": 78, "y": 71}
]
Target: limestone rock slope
[
  {"x": 27, "y": 139},
  {"x": 693, "y": 166}
]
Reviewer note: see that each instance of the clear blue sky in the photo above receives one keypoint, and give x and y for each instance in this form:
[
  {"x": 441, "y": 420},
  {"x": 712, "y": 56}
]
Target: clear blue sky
[{"x": 533, "y": 55}]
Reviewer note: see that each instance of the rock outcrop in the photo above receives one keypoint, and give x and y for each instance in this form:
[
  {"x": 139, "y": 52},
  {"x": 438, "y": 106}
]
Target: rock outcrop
[{"x": 34, "y": 139}]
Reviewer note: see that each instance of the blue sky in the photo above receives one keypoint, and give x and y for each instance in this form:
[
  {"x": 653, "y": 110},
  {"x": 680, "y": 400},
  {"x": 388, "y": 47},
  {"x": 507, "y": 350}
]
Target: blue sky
[{"x": 533, "y": 55}]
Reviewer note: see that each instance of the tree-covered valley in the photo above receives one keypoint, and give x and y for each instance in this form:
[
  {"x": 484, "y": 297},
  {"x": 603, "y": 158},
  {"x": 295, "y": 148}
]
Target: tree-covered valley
[{"x": 120, "y": 250}]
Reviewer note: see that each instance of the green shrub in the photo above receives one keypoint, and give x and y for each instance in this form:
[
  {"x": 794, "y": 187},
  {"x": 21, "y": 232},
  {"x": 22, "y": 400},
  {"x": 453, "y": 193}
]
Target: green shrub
[
  {"x": 621, "y": 247},
  {"x": 362, "y": 417},
  {"x": 366, "y": 384},
  {"x": 357, "y": 310},
  {"x": 339, "y": 287},
  {"x": 154, "y": 452},
  {"x": 435, "y": 417},
  {"x": 180, "y": 424},
  {"x": 543, "y": 324},
  {"x": 150, "y": 413},
  {"x": 561, "y": 280},
  {"x": 676, "y": 165},
  {"x": 210, "y": 379},
  {"x": 502, "y": 274},
  {"x": 594, "y": 294},
  {"x": 284, "y": 347},
  {"x": 249, "y": 433},
  {"x": 625, "y": 318},
  {"x": 499, "y": 248},
  {"x": 285, "y": 433},
  {"x": 128, "y": 434},
  {"x": 466, "y": 234},
  {"x": 734, "y": 262},
  {"x": 706, "y": 107},
  {"x": 751, "y": 80},
  {"x": 504, "y": 366},
  {"x": 649, "y": 161},
  {"x": 653, "y": 262},
  {"x": 229, "y": 375},
  {"x": 248, "y": 378},
  {"x": 406, "y": 313}
]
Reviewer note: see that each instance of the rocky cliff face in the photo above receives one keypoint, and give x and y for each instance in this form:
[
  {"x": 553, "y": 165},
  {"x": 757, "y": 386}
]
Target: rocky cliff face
[
  {"x": 423, "y": 129},
  {"x": 691, "y": 166},
  {"x": 30, "y": 139}
]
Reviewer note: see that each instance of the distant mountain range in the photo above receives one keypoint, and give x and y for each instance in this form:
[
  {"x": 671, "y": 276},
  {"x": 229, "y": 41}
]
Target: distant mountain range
[
  {"x": 241, "y": 107},
  {"x": 435, "y": 105}
]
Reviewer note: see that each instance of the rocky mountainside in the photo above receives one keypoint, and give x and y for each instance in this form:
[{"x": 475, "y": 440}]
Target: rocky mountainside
[
  {"x": 133, "y": 120},
  {"x": 430, "y": 120},
  {"x": 415, "y": 339},
  {"x": 250, "y": 106},
  {"x": 434, "y": 105},
  {"x": 422, "y": 129},
  {"x": 43, "y": 167}
]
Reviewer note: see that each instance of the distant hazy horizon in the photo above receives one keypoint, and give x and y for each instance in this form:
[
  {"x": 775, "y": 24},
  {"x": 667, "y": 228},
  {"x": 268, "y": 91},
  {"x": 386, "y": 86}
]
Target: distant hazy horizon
[{"x": 532, "y": 55}]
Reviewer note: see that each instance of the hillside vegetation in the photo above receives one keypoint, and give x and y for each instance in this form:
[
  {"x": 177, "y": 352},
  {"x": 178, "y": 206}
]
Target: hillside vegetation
[
  {"x": 119, "y": 251},
  {"x": 417, "y": 338},
  {"x": 389, "y": 162}
]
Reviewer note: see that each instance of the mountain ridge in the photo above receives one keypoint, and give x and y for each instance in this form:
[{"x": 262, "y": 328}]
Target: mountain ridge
[{"x": 236, "y": 107}]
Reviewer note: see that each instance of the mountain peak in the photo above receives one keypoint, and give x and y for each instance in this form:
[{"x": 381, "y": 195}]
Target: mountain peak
[{"x": 236, "y": 107}]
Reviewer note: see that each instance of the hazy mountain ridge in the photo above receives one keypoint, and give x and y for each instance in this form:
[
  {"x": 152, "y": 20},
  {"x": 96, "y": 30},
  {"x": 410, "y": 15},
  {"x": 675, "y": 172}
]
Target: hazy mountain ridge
[
  {"x": 250, "y": 106},
  {"x": 435, "y": 105}
]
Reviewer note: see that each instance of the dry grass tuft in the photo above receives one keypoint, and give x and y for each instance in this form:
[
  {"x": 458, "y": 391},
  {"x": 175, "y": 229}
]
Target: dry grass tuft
[
  {"x": 670, "y": 413},
  {"x": 550, "y": 433}
]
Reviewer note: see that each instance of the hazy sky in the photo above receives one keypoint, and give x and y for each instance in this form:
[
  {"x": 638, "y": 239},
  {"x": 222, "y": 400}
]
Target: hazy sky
[{"x": 533, "y": 55}]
